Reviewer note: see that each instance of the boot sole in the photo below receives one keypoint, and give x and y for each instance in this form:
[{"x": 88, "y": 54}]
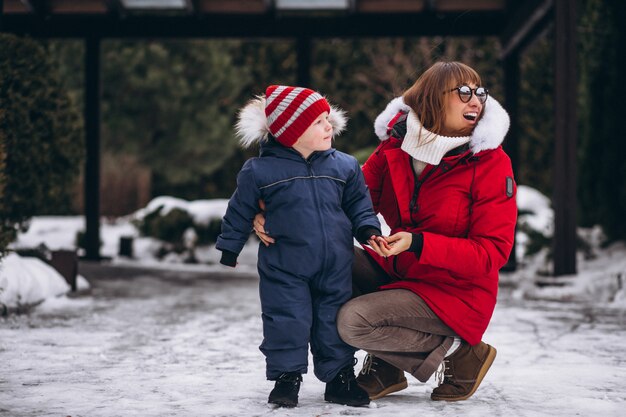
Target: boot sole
[
  {"x": 390, "y": 389},
  {"x": 283, "y": 404},
  {"x": 336, "y": 400},
  {"x": 491, "y": 356}
]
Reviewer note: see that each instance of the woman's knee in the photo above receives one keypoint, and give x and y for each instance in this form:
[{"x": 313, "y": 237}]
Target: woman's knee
[{"x": 351, "y": 323}]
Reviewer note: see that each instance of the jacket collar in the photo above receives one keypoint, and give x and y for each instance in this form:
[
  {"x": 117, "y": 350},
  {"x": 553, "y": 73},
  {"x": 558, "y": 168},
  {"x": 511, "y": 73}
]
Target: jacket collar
[
  {"x": 272, "y": 148},
  {"x": 488, "y": 134}
]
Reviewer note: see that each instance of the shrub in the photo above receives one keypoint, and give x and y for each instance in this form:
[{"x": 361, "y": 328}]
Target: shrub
[
  {"x": 208, "y": 234},
  {"x": 40, "y": 137},
  {"x": 169, "y": 227}
]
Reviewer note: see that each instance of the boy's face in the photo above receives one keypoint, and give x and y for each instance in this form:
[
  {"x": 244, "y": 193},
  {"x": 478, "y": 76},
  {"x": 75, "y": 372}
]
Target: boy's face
[{"x": 318, "y": 137}]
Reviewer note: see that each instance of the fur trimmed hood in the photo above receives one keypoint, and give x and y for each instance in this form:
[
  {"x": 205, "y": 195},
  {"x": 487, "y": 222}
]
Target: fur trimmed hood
[
  {"x": 489, "y": 132},
  {"x": 252, "y": 127}
]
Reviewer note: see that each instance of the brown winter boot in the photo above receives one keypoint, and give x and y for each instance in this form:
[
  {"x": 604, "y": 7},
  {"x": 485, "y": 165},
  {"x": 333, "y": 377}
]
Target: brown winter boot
[
  {"x": 379, "y": 378},
  {"x": 463, "y": 372}
]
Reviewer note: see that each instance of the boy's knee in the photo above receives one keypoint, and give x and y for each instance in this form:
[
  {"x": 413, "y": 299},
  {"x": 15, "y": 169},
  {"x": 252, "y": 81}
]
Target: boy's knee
[{"x": 351, "y": 323}]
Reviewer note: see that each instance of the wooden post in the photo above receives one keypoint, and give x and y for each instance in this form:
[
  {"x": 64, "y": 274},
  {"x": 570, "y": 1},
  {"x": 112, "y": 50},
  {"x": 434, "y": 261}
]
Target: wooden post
[
  {"x": 92, "y": 137},
  {"x": 303, "y": 49},
  {"x": 66, "y": 264},
  {"x": 564, "y": 242},
  {"x": 126, "y": 246},
  {"x": 511, "y": 144}
]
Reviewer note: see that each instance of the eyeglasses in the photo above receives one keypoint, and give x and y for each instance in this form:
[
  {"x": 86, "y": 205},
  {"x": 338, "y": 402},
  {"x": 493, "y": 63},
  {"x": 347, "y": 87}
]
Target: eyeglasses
[{"x": 465, "y": 93}]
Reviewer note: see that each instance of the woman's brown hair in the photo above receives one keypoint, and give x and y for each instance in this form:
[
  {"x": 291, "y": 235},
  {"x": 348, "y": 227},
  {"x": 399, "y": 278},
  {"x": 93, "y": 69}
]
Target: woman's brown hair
[{"x": 427, "y": 97}]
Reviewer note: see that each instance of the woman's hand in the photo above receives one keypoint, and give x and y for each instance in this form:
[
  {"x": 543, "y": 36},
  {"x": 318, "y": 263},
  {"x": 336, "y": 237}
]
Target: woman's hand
[
  {"x": 259, "y": 226},
  {"x": 398, "y": 243},
  {"x": 391, "y": 245}
]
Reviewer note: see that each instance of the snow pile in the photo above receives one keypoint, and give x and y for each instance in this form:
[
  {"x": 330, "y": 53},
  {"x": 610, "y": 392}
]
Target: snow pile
[
  {"x": 202, "y": 211},
  {"x": 601, "y": 271},
  {"x": 25, "y": 281}
]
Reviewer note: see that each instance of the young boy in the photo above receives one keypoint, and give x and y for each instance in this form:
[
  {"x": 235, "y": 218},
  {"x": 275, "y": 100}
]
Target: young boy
[{"x": 316, "y": 201}]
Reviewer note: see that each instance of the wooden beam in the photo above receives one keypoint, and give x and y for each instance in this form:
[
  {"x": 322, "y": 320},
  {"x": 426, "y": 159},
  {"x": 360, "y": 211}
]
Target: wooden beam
[
  {"x": 116, "y": 8},
  {"x": 564, "y": 195},
  {"x": 77, "y": 7},
  {"x": 92, "y": 137},
  {"x": 28, "y": 4},
  {"x": 15, "y": 6},
  {"x": 190, "y": 6},
  {"x": 389, "y": 6},
  {"x": 526, "y": 21},
  {"x": 40, "y": 7},
  {"x": 464, "y": 5},
  {"x": 261, "y": 25},
  {"x": 233, "y": 6}
]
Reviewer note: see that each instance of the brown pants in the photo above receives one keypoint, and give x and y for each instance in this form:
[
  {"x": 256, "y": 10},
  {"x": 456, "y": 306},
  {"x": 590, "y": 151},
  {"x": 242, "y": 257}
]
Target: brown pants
[{"x": 395, "y": 325}]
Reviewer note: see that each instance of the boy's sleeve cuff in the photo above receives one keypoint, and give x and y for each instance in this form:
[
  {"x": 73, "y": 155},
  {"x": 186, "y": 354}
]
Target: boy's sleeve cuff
[
  {"x": 365, "y": 232},
  {"x": 229, "y": 258}
]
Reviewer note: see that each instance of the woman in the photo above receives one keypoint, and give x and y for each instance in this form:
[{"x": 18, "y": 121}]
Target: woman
[{"x": 445, "y": 187}]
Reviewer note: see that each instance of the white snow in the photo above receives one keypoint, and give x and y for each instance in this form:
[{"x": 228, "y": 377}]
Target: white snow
[
  {"x": 186, "y": 345},
  {"x": 27, "y": 280},
  {"x": 202, "y": 211}
]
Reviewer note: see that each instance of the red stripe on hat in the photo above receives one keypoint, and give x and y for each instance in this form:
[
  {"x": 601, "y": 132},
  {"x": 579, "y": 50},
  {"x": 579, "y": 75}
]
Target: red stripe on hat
[
  {"x": 302, "y": 122},
  {"x": 290, "y": 110},
  {"x": 272, "y": 106}
]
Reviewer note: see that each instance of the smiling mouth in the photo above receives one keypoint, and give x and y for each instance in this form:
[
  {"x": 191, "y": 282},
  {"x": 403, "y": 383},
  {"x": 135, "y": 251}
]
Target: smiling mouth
[{"x": 470, "y": 116}]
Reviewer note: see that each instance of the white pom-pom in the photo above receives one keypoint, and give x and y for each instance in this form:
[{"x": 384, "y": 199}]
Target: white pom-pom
[
  {"x": 337, "y": 119},
  {"x": 251, "y": 125}
]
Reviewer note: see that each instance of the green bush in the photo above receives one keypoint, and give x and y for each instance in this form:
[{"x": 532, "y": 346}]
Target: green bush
[
  {"x": 80, "y": 240},
  {"x": 41, "y": 145},
  {"x": 169, "y": 228},
  {"x": 601, "y": 146},
  {"x": 208, "y": 234}
]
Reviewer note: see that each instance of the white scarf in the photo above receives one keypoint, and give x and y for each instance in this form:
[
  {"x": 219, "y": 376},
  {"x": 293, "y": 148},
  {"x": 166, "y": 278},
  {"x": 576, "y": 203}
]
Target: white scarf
[{"x": 425, "y": 146}]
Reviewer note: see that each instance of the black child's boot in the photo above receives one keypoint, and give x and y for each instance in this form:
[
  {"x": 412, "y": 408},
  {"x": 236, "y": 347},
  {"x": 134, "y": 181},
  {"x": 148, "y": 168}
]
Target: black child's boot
[
  {"x": 285, "y": 392},
  {"x": 343, "y": 389}
]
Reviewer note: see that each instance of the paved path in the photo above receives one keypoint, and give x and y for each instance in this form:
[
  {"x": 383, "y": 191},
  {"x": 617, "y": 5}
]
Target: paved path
[{"x": 171, "y": 344}]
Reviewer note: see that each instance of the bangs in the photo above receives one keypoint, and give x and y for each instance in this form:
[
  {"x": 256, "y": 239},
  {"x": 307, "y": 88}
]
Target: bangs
[
  {"x": 426, "y": 96},
  {"x": 460, "y": 74}
]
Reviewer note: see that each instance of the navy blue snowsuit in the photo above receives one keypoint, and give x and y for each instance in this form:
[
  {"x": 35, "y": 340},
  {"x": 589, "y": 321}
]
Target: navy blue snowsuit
[{"x": 313, "y": 209}]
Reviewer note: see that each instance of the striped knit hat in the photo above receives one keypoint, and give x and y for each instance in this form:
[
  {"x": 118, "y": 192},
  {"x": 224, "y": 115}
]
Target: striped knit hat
[{"x": 291, "y": 110}]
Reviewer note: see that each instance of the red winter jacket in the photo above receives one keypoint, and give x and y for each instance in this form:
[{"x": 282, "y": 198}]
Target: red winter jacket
[{"x": 464, "y": 207}]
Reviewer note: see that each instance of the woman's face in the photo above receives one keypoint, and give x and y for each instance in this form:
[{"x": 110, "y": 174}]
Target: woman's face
[{"x": 461, "y": 118}]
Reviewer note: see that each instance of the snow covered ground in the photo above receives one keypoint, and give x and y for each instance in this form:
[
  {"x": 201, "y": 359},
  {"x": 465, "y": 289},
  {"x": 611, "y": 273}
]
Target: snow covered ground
[
  {"x": 153, "y": 338},
  {"x": 172, "y": 344}
]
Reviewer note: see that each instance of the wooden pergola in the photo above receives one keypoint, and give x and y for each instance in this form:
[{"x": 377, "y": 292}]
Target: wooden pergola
[{"x": 515, "y": 23}]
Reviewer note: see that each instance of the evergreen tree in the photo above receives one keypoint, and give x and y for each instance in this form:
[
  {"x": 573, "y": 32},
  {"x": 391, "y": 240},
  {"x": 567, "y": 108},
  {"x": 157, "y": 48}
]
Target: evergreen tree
[
  {"x": 536, "y": 115},
  {"x": 172, "y": 104},
  {"x": 40, "y": 142},
  {"x": 602, "y": 167}
]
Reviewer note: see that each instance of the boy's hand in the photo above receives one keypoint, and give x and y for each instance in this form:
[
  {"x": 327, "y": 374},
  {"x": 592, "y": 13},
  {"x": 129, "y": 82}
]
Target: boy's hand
[
  {"x": 379, "y": 244},
  {"x": 259, "y": 226}
]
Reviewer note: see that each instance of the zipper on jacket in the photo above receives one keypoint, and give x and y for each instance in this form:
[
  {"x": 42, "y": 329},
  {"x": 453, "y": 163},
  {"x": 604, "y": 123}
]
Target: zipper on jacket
[
  {"x": 416, "y": 189},
  {"x": 309, "y": 165}
]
